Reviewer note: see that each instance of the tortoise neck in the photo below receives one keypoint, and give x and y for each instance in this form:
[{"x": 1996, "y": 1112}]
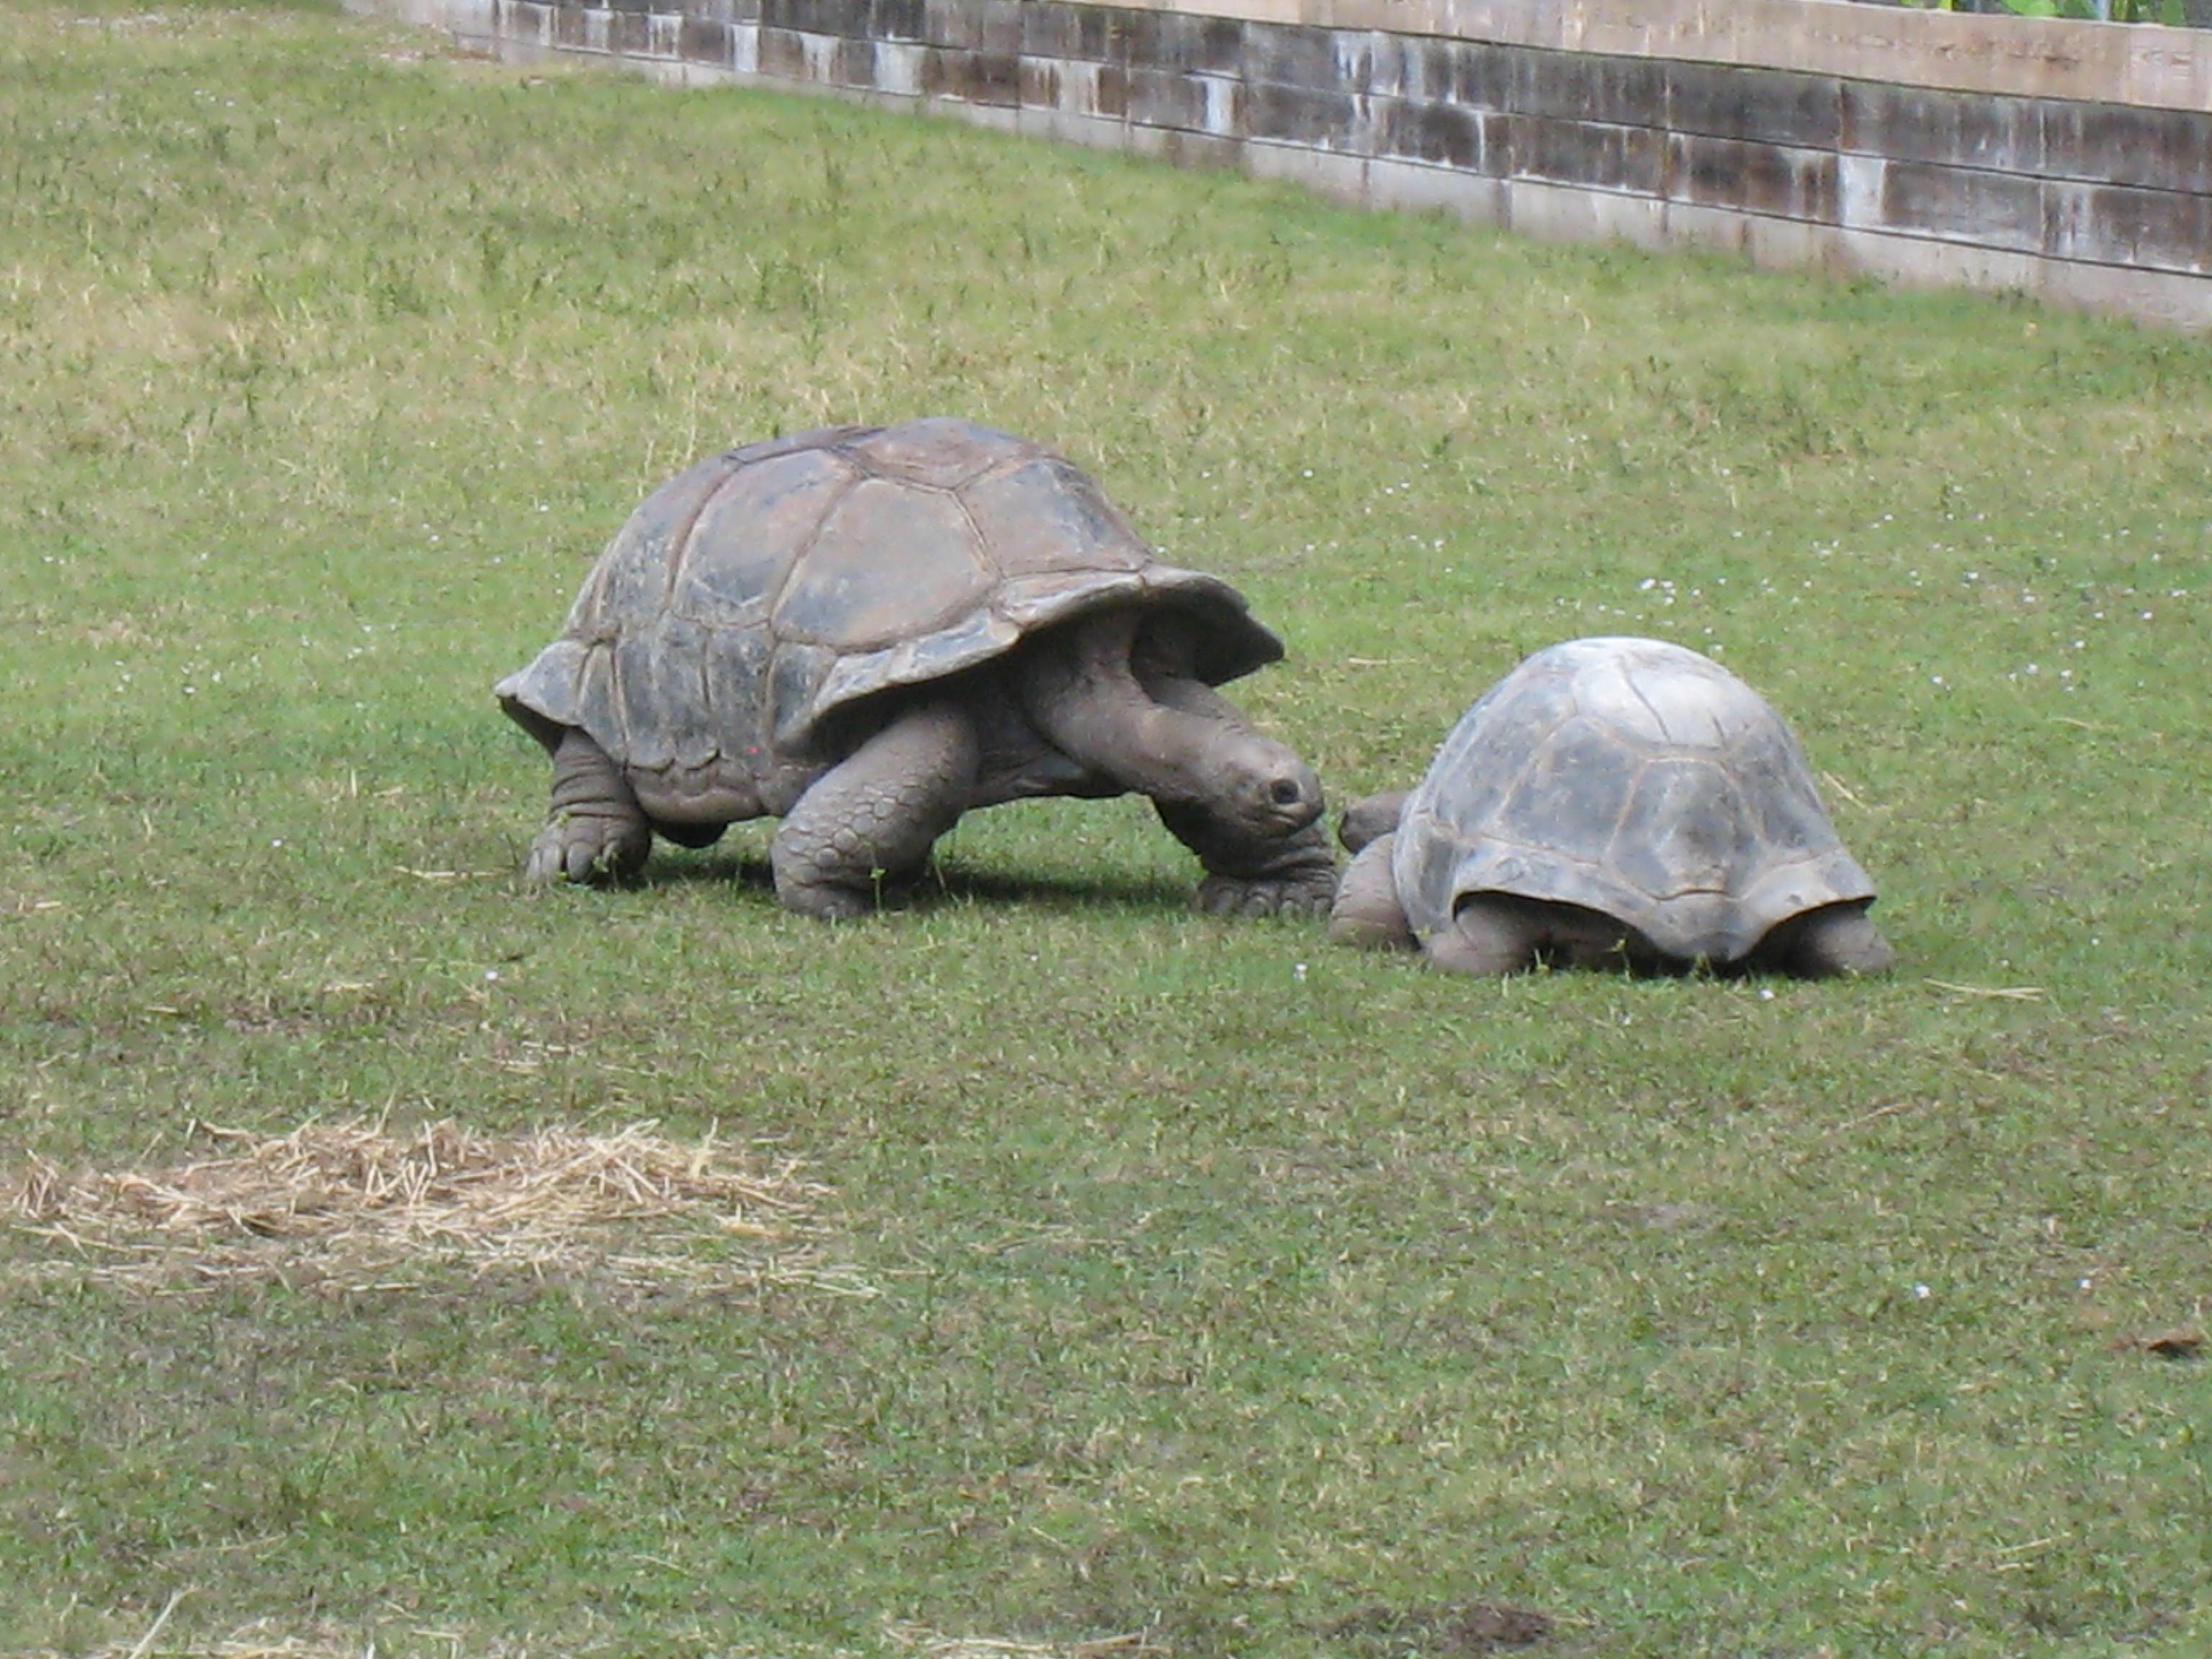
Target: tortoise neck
[{"x": 1096, "y": 696}]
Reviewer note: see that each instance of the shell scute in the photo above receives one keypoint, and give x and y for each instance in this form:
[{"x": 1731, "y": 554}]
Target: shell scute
[
  {"x": 795, "y": 673},
  {"x": 751, "y": 530},
  {"x": 1633, "y": 777},
  {"x": 889, "y": 563},
  {"x": 1686, "y": 829},
  {"x": 634, "y": 575},
  {"x": 937, "y": 453},
  {"x": 1044, "y": 518}
]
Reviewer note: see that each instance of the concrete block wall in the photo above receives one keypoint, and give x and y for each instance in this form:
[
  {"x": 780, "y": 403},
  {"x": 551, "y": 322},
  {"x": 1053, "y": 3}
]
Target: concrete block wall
[{"x": 2070, "y": 161}]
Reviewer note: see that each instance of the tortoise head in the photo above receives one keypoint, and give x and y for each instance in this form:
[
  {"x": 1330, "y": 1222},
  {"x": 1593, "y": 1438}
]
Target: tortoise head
[{"x": 1256, "y": 785}]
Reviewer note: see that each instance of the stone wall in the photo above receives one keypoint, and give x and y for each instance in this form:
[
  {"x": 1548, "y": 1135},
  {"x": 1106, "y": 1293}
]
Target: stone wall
[{"x": 2071, "y": 162}]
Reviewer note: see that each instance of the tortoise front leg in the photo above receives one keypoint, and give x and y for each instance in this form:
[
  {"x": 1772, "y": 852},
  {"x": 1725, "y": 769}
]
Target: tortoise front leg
[
  {"x": 876, "y": 813},
  {"x": 1246, "y": 875},
  {"x": 1489, "y": 933},
  {"x": 1822, "y": 944},
  {"x": 1249, "y": 870},
  {"x": 1367, "y": 911},
  {"x": 595, "y": 832}
]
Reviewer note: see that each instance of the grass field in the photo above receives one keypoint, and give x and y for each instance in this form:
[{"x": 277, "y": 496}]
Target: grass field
[{"x": 1045, "y": 1264}]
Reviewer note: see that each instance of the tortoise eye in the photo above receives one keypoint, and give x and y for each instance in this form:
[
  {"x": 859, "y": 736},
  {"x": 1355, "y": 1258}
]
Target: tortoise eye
[{"x": 1284, "y": 792}]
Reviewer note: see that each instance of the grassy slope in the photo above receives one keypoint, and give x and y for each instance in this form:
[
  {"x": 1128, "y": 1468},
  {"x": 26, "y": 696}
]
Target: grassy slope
[{"x": 1231, "y": 1288}]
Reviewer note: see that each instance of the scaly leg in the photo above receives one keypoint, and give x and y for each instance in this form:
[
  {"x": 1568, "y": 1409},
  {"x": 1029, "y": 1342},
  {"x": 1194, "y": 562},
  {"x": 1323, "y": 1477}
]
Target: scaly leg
[
  {"x": 1822, "y": 944},
  {"x": 1490, "y": 934},
  {"x": 1367, "y": 911},
  {"x": 876, "y": 813},
  {"x": 596, "y": 830}
]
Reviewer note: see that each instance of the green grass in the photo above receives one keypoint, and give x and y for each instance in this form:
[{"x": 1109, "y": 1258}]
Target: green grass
[{"x": 1262, "y": 1298}]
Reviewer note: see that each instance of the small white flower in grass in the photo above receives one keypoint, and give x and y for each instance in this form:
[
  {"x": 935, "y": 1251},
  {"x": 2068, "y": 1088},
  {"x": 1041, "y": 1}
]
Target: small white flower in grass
[
  {"x": 1298, "y": 972},
  {"x": 2146, "y": 615},
  {"x": 491, "y": 973},
  {"x": 1922, "y": 1292},
  {"x": 279, "y": 842},
  {"x": 1766, "y": 993}
]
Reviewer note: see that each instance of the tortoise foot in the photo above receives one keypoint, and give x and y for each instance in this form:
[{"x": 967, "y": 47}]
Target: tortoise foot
[
  {"x": 588, "y": 845},
  {"x": 824, "y": 901},
  {"x": 1836, "y": 940},
  {"x": 1306, "y": 893}
]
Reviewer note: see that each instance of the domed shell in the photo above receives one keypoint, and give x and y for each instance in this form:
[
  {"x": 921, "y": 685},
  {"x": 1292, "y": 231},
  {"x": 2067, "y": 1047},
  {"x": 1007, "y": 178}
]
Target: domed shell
[
  {"x": 752, "y": 596},
  {"x": 1632, "y": 777}
]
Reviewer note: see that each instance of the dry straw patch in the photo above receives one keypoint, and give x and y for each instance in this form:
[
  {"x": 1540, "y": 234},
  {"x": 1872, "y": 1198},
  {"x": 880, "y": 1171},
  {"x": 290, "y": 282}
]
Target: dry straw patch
[
  {"x": 927, "y": 1643},
  {"x": 357, "y": 1202},
  {"x": 266, "y": 1639}
]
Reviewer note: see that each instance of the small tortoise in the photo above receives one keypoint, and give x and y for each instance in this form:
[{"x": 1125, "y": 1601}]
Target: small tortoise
[
  {"x": 868, "y": 630},
  {"x": 1612, "y": 800}
]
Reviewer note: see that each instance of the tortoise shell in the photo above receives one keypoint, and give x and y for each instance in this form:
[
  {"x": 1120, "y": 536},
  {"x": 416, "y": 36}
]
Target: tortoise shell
[
  {"x": 755, "y": 596},
  {"x": 1632, "y": 777}
]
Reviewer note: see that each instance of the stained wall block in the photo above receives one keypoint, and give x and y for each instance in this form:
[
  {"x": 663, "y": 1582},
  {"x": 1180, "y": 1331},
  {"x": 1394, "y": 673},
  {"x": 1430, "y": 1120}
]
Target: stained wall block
[
  {"x": 1720, "y": 102},
  {"x": 704, "y": 40},
  {"x": 1590, "y": 154},
  {"x": 1183, "y": 42},
  {"x": 895, "y": 19},
  {"x": 1774, "y": 180},
  {"x": 1293, "y": 56},
  {"x": 1588, "y": 86},
  {"x": 2064, "y": 159},
  {"x": 1167, "y": 98},
  {"x": 782, "y": 54},
  {"x": 2106, "y": 144},
  {"x": 1447, "y": 134},
  {"x": 2005, "y": 209},
  {"x": 2159, "y": 229},
  {"x": 1913, "y": 124}
]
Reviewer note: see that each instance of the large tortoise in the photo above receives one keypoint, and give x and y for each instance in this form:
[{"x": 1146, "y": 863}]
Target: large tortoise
[
  {"x": 868, "y": 630},
  {"x": 1612, "y": 800}
]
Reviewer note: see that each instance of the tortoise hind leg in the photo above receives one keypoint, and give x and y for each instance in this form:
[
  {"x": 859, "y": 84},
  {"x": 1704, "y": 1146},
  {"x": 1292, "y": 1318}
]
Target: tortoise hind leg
[
  {"x": 877, "y": 812},
  {"x": 1823, "y": 944},
  {"x": 595, "y": 830}
]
